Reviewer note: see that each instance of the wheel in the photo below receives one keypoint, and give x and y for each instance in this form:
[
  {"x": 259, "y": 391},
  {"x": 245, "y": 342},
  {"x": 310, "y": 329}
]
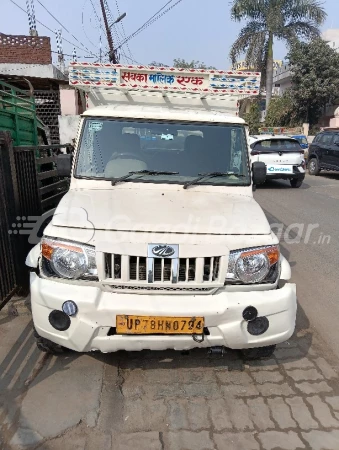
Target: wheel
[
  {"x": 47, "y": 346},
  {"x": 313, "y": 167},
  {"x": 296, "y": 182},
  {"x": 258, "y": 352}
]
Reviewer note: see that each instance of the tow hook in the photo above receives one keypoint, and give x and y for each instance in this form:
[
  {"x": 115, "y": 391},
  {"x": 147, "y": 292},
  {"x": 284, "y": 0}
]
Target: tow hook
[
  {"x": 217, "y": 351},
  {"x": 198, "y": 338}
]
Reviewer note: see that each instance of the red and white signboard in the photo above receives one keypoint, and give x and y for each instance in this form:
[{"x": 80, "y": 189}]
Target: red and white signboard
[{"x": 89, "y": 75}]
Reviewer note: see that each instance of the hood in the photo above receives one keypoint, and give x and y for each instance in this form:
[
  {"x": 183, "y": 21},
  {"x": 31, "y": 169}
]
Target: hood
[{"x": 161, "y": 211}]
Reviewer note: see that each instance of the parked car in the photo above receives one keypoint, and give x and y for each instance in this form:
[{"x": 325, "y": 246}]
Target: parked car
[
  {"x": 283, "y": 156},
  {"x": 302, "y": 139},
  {"x": 324, "y": 151}
]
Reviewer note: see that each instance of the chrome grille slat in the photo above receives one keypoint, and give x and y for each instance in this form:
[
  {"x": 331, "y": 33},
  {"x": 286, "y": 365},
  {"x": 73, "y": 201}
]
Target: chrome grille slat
[
  {"x": 211, "y": 269},
  {"x": 162, "y": 269},
  {"x": 127, "y": 269},
  {"x": 187, "y": 268}
]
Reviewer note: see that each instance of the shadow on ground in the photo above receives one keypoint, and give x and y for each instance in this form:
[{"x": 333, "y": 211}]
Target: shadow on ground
[{"x": 280, "y": 184}]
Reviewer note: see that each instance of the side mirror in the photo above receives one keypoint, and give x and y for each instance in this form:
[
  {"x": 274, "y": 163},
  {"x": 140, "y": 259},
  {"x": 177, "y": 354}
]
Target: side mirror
[
  {"x": 259, "y": 172},
  {"x": 64, "y": 165}
]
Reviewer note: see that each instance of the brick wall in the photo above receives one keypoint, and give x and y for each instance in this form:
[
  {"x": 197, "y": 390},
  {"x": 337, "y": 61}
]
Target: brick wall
[{"x": 25, "y": 49}]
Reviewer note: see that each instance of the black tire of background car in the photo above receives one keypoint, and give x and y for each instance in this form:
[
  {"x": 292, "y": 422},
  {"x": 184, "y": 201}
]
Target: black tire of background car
[{"x": 313, "y": 167}]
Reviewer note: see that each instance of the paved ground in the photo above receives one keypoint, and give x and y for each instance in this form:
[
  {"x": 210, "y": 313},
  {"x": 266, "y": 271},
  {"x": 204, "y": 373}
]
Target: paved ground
[{"x": 172, "y": 401}]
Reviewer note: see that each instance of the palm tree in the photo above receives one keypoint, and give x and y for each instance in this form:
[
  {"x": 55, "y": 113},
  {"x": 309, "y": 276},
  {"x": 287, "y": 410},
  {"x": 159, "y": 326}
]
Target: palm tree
[{"x": 268, "y": 20}]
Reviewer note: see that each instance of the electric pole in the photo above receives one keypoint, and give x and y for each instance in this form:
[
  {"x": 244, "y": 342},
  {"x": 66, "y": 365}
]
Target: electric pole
[{"x": 112, "y": 54}]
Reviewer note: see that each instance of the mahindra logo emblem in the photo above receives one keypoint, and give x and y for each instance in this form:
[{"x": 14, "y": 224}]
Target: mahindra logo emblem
[
  {"x": 164, "y": 251},
  {"x": 280, "y": 153}
]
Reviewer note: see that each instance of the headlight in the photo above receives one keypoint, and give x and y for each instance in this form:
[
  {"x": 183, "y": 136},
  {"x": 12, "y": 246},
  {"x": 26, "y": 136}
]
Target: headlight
[
  {"x": 253, "y": 265},
  {"x": 67, "y": 259}
]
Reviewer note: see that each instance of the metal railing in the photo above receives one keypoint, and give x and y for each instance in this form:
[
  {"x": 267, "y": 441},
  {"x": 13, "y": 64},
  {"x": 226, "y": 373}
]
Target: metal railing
[
  {"x": 29, "y": 187},
  {"x": 8, "y": 278}
]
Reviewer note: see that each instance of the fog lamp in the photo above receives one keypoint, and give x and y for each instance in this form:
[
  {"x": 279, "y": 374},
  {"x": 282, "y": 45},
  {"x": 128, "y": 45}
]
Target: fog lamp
[{"x": 59, "y": 320}]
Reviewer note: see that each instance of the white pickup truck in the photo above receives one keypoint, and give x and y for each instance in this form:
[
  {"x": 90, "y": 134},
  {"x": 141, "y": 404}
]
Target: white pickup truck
[{"x": 159, "y": 243}]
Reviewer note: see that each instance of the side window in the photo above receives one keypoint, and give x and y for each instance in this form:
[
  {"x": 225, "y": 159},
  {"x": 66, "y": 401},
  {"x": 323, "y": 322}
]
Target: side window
[
  {"x": 326, "y": 139},
  {"x": 336, "y": 139}
]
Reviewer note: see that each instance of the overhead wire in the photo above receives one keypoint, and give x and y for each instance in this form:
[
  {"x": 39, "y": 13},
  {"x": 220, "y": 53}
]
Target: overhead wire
[
  {"x": 63, "y": 26},
  {"x": 123, "y": 30},
  {"x": 150, "y": 21},
  {"x": 99, "y": 26},
  {"x": 49, "y": 29}
]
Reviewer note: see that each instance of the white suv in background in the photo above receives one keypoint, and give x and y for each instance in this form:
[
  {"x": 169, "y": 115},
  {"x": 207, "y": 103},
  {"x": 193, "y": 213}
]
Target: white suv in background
[{"x": 283, "y": 156}]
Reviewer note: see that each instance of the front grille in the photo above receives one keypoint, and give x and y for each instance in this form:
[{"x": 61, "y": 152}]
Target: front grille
[
  {"x": 137, "y": 268},
  {"x": 113, "y": 266},
  {"x": 126, "y": 269},
  {"x": 211, "y": 269},
  {"x": 163, "y": 288}
]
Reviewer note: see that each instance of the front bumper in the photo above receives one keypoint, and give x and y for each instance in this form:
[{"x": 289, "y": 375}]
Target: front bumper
[{"x": 97, "y": 310}]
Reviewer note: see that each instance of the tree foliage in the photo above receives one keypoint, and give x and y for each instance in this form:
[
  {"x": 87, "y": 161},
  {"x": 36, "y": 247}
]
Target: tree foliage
[
  {"x": 267, "y": 20},
  {"x": 315, "y": 78},
  {"x": 252, "y": 118},
  {"x": 282, "y": 112},
  {"x": 179, "y": 62},
  {"x": 158, "y": 64}
]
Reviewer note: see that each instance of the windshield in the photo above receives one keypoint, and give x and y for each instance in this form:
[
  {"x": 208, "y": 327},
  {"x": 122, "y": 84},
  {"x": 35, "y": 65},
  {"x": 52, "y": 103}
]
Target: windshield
[
  {"x": 111, "y": 149},
  {"x": 277, "y": 145}
]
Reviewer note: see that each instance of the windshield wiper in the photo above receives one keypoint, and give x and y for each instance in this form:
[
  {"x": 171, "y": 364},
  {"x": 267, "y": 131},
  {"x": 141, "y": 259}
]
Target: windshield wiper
[
  {"x": 211, "y": 175},
  {"x": 142, "y": 172}
]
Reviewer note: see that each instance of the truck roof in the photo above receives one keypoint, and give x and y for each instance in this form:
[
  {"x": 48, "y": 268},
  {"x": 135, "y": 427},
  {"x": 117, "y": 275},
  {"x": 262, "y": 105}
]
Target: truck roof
[{"x": 161, "y": 113}]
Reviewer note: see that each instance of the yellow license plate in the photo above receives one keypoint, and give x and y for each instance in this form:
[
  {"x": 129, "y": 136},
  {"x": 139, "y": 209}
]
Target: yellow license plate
[{"x": 159, "y": 325}]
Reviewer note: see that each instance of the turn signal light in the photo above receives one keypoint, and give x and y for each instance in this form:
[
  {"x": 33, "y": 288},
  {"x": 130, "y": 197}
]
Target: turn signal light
[{"x": 272, "y": 253}]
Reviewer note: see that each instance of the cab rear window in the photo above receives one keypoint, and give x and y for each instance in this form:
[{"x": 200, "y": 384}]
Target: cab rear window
[{"x": 277, "y": 145}]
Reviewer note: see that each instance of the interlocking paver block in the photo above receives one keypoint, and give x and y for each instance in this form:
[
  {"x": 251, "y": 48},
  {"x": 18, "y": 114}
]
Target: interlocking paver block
[
  {"x": 219, "y": 415},
  {"x": 144, "y": 415},
  {"x": 303, "y": 363},
  {"x": 281, "y": 440},
  {"x": 239, "y": 414},
  {"x": 320, "y": 440},
  {"x": 322, "y": 412},
  {"x": 269, "y": 389},
  {"x": 313, "y": 388},
  {"x": 141, "y": 441},
  {"x": 301, "y": 413},
  {"x": 188, "y": 440},
  {"x": 281, "y": 412},
  {"x": 197, "y": 413},
  {"x": 260, "y": 413},
  {"x": 325, "y": 368},
  {"x": 177, "y": 417},
  {"x": 236, "y": 441},
  {"x": 305, "y": 374},
  {"x": 267, "y": 377}
]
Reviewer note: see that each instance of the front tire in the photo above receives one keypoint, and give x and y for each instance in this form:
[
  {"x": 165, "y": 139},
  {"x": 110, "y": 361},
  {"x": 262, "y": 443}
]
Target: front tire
[
  {"x": 258, "y": 352},
  {"x": 296, "y": 182},
  {"x": 313, "y": 167}
]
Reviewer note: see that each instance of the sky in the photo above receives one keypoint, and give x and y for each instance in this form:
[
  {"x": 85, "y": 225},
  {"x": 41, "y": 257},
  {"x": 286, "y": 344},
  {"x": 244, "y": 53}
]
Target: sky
[{"x": 194, "y": 29}]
